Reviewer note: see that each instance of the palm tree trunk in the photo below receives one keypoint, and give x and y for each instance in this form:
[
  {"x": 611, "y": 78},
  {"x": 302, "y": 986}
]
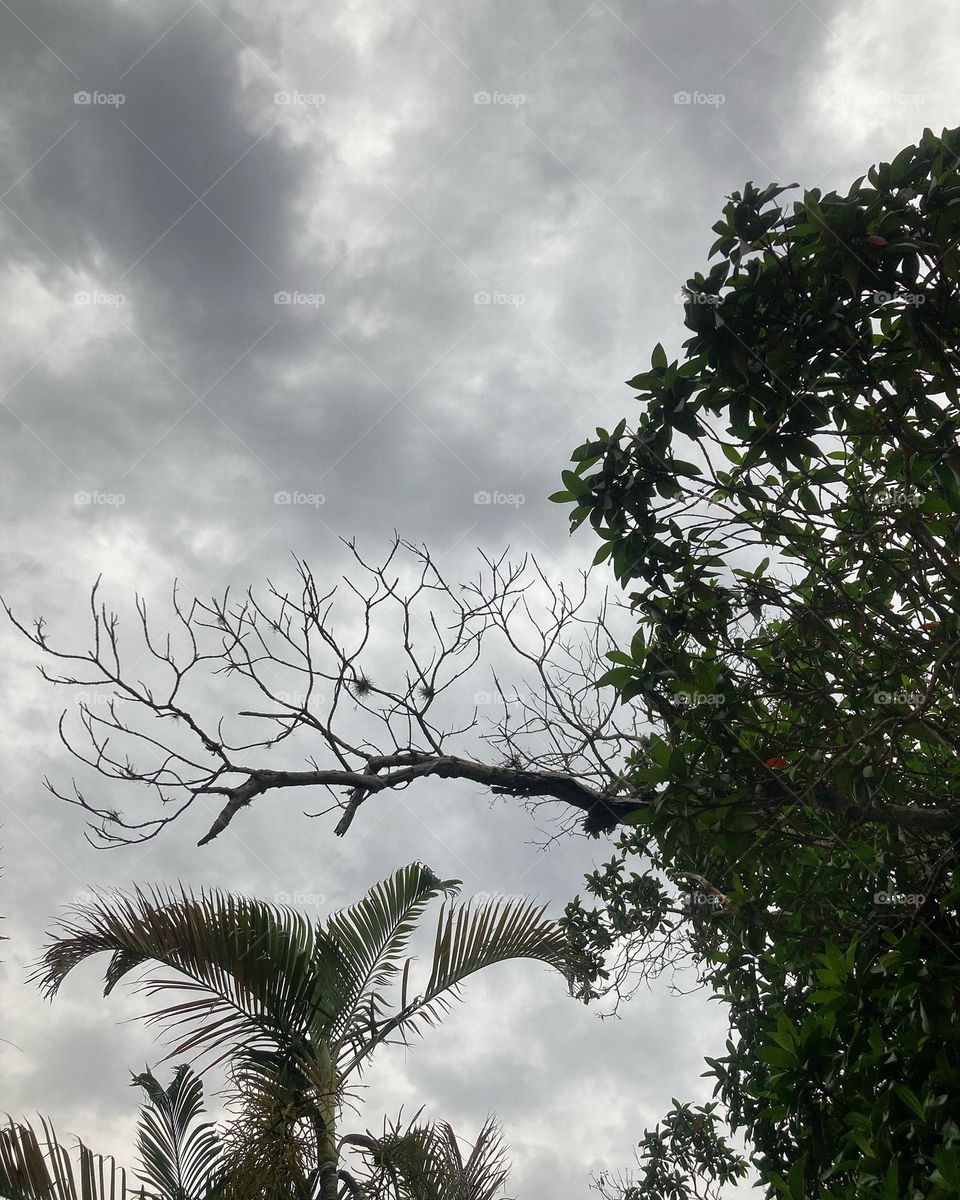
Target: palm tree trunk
[{"x": 327, "y": 1157}]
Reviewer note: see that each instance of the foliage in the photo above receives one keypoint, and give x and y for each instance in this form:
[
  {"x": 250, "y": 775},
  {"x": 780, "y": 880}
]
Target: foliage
[
  {"x": 183, "y": 1158},
  {"x": 785, "y": 513},
  {"x": 686, "y": 1157},
  {"x": 180, "y": 1159},
  {"x": 295, "y": 1007},
  {"x": 425, "y": 1162}
]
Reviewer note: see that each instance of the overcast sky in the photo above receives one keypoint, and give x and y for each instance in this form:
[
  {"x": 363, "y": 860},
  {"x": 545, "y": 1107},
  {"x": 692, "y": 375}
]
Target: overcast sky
[{"x": 481, "y": 215}]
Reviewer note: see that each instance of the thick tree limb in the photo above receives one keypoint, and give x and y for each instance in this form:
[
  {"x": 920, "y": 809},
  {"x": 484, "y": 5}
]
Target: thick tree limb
[{"x": 510, "y": 781}]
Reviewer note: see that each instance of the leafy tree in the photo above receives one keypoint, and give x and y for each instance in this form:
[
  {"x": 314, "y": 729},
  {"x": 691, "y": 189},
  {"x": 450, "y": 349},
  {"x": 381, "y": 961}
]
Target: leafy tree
[
  {"x": 296, "y": 1009},
  {"x": 425, "y": 1162},
  {"x": 785, "y": 512},
  {"x": 687, "y": 1157}
]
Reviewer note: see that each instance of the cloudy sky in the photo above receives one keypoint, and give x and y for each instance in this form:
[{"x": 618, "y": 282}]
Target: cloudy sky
[{"x": 479, "y": 217}]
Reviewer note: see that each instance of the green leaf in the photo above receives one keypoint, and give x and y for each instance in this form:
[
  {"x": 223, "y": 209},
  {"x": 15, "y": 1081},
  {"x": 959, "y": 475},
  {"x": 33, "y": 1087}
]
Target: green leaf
[{"x": 908, "y": 1097}]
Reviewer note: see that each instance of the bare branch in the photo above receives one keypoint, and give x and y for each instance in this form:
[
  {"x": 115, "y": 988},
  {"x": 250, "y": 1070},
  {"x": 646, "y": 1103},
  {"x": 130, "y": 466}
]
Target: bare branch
[{"x": 300, "y": 679}]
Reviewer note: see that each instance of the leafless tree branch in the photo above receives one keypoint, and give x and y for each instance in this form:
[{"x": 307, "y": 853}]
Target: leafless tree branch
[{"x": 556, "y": 738}]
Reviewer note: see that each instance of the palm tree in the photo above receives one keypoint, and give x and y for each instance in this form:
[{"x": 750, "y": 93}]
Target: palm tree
[
  {"x": 296, "y": 1008},
  {"x": 182, "y": 1159}
]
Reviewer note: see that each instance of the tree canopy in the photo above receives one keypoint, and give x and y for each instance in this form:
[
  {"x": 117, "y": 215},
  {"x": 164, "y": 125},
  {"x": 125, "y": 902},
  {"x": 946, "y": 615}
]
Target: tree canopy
[{"x": 785, "y": 512}]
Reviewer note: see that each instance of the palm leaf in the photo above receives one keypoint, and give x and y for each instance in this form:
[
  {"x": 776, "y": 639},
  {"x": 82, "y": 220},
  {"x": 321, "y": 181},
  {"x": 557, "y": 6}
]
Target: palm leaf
[
  {"x": 468, "y": 939},
  {"x": 424, "y": 1162},
  {"x": 259, "y": 976},
  {"x": 36, "y": 1167},
  {"x": 373, "y": 934},
  {"x": 486, "y": 1170},
  {"x": 180, "y": 1159}
]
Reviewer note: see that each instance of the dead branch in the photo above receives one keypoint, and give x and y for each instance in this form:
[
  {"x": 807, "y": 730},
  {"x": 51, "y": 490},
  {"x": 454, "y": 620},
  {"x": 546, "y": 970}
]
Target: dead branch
[{"x": 551, "y": 738}]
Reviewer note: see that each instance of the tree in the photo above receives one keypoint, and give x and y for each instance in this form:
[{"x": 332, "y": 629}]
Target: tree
[
  {"x": 425, "y": 1162},
  {"x": 296, "y": 1009},
  {"x": 798, "y": 649},
  {"x": 687, "y": 1157},
  {"x": 181, "y": 1157}
]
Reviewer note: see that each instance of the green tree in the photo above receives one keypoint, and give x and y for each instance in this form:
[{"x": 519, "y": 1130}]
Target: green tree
[
  {"x": 425, "y": 1162},
  {"x": 785, "y": 511},
  {"x": 296, "y": 1009}
]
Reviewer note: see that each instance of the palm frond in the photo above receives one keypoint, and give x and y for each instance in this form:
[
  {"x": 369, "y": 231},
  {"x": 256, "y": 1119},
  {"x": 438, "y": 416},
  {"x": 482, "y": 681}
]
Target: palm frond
[
  {"x": 373, "y": 934},
  {"x": 180, "y": 1158},
  {"x": 468, "y": 939},
  {"x": 486, "y": 1169},
  {"x": 258, "y": 975},
  {"x": 37, "y": 1167},
  {"x": 424, "y": 1162}
]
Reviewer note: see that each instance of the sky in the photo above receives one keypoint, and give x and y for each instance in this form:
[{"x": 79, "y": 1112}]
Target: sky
[{"x": 277, "y": 274}]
